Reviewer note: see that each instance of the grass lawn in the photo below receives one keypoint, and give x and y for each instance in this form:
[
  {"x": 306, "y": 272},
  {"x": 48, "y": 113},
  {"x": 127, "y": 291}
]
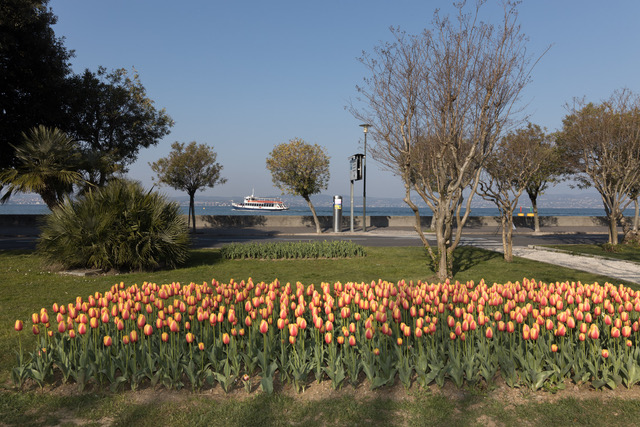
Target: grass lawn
[
  {"x": 25, "y": 287},
  {"x": 623, "y": 252}
]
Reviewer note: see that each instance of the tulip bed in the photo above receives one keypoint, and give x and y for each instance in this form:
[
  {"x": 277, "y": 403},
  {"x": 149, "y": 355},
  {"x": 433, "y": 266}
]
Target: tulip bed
[{"x": 531, "y": 333}]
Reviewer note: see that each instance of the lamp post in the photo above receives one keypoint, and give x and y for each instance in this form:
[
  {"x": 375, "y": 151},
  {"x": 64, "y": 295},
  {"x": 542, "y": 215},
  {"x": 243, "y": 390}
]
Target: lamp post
[{"x": 365, "y": 128}]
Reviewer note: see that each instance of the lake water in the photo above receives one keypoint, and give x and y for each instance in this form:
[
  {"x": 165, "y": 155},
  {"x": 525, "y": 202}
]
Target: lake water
[{"x": 24, "y": 209}]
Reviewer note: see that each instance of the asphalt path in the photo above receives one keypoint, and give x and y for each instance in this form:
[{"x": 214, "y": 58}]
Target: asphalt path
[{"x": 386, "y": 239}]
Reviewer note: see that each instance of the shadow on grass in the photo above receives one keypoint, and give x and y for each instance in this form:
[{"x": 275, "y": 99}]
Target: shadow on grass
[
  {"x": 202, "y": 257},
  {"x": 466, "y": 257}
]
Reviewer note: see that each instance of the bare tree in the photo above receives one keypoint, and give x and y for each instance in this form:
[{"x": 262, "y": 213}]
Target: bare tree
[
  {"x": 605, "y": 139},
  {"x": 438, "y": 102},
  {"x": 507, "y": 173}
]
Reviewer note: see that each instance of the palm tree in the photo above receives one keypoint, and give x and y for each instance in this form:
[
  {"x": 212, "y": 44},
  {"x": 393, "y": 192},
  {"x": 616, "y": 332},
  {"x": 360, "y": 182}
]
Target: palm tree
[{"x": 46, "y": 163}]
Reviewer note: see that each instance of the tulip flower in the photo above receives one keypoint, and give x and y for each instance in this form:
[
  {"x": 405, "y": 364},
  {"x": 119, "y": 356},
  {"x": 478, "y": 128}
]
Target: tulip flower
[
  {"x": 264, "y": 327},
  {"x": 489, "y": 333},
  {"x": 328, "y": 337},
  {"x": 164, "y": 337},
  {"x": 226, "y": 339},
  {"x": 107, "y": 341},
  {"x": 605, "y": 353},
  {"x": 18, "y": 325},
  {"x": 148, "y": 330},
  {"x": 133, "y": 336},
  {"x": 35, "y": 330}
]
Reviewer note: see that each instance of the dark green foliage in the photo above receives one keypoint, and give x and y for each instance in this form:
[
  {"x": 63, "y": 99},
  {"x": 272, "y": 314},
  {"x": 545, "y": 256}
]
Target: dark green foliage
[
  {"x": 290, "y": 250},
  {"x": 120, "y": 226}
]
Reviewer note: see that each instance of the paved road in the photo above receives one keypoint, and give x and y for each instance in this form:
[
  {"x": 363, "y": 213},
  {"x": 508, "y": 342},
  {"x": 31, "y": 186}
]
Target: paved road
[{"x": 484, "y": 238}]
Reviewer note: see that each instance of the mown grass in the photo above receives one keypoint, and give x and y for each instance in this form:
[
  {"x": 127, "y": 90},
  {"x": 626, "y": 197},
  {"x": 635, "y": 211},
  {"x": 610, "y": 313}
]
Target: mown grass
[
  {"x": 25, "y": 287},
  {"x": 622, "y": 252}
]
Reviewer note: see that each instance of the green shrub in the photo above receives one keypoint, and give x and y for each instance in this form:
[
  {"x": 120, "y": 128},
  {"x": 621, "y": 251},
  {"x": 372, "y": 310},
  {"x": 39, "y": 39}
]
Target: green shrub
[
  {"x": 291, "y": 250},
  {"x": 120, "y": 226}
]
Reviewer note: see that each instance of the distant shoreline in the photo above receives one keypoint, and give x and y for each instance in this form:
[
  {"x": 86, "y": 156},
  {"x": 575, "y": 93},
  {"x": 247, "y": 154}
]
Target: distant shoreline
[{"x": 40, "y": 209}]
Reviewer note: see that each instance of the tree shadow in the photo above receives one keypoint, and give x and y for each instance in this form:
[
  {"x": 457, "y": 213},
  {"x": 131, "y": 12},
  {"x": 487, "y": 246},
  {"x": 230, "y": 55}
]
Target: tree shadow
[
  {"x": 466, "y": 257},
  {"x": 203, "y": 257}
]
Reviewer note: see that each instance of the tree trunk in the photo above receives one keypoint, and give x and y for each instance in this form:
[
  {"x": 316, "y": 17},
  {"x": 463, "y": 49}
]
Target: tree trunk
[
  {"x": 315, "y": 216},
  {"x": 636, "y": 217},
  {"x": 442, "y": 272},
  {"x": 49, "y": 198},
  {"x": 507, "y": 237},
  {"x": 536, "y": 219},
  {"x": 613, "y": 229},
  {"x": 192, "y": 211}
]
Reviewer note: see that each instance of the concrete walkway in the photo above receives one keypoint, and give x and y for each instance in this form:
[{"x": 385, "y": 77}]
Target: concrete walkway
[{"x": 623, "y": 270}]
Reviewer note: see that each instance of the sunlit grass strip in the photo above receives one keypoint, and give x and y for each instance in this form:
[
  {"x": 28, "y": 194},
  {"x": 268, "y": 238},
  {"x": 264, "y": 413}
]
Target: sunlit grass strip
[
  {"x": 533, "y": 334},
  {"x": 293, "y": 250}
]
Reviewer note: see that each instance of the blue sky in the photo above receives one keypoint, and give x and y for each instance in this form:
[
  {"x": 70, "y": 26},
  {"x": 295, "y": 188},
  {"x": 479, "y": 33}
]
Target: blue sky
[{"x": 244, "y": 76}]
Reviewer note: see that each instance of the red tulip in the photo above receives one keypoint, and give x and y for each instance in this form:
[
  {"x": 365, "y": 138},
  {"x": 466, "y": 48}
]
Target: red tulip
[
  {"x": 489, "y": 333},
  {"x": 173, "y": 326},
  {"x": 35, "y": 330},
  {"x": 201, "y": 346},
  {"x": 164, "y": 337},
  {"x": 264, "y": 327},
  {"x": 328, "y": 337},
  {"x": 605, "y": 353},
  {"x": 189, "y": 337},
  {"x": 226, "y": 339},
  {"x": 133, "y": 336},
  {"x": 82, "y": 328},
  {"x": 35, "y": 318},
  {"x": 293, "y": 330},
  {"x": 107, "y": 341},
  {"x": 18, "y": 325},
  {"x": 61, "y": 327}
]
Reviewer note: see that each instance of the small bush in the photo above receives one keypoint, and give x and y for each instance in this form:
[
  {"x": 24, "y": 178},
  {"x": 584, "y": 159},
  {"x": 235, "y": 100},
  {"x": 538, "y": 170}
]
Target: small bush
[
  {"x": 120, "y": 226},
  {"x": 290, "y": 250}
]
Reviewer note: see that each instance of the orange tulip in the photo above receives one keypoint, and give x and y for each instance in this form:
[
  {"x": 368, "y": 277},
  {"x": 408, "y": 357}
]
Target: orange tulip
[
  {"x": 605, "y": 353},
  {"x": 148, "y": 330},
  {"x": 107, "y": 341},
  {"x": 226, "y": 339}
]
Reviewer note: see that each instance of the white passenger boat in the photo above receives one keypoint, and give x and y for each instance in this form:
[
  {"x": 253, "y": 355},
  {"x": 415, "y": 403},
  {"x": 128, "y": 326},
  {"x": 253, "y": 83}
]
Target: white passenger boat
[{"x": 254, "y": 203}]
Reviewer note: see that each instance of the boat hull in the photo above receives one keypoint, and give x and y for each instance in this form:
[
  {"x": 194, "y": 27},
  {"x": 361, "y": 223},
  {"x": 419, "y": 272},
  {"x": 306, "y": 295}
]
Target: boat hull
[{"x": 258, "y": 208}]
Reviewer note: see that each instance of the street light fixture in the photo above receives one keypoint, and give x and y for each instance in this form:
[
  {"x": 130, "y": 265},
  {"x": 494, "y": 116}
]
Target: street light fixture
[{"x": 365, "y": 128}]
